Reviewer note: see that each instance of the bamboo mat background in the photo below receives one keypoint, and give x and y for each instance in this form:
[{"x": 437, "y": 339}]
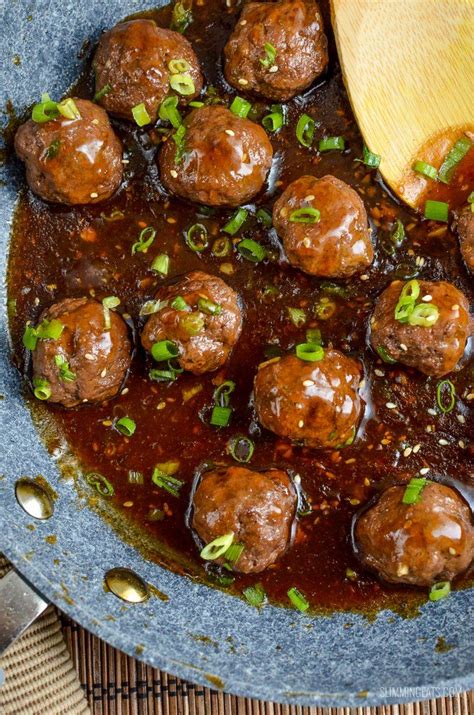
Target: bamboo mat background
[{"x": 116, "y": 684}]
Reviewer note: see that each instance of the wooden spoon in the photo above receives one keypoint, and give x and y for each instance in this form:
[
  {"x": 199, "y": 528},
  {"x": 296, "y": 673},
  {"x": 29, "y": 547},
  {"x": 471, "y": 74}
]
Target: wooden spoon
[{"x": 408, "y": 69}]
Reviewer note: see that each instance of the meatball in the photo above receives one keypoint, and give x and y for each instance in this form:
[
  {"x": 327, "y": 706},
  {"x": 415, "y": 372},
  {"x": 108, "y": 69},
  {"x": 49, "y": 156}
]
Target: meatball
[
  {"x": 202, "y": 315},
  {"x": 72, "y": 161},
  {"x": 314, "y": 403},
  {"x": 132, "y": 66},
  {"x": 257, "y": 507},
  {"x": 222, "y": 160},
  {"x": 277, "y": 49},
  {"x": 434, "y": 350},
  {"x": 431, "y": 540},
  {"x": 338, "y": 243},
  {"x": 90, "y": 359},
  {"x": 465, "y": 228}
]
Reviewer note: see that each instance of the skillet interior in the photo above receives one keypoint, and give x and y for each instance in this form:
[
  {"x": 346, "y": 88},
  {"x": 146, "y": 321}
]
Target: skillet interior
[{"x": 200, "y": 634}]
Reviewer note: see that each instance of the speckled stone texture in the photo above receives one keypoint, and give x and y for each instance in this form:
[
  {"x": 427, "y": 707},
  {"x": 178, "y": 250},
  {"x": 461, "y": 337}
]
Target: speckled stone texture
[{"x": 275, "y": 653}]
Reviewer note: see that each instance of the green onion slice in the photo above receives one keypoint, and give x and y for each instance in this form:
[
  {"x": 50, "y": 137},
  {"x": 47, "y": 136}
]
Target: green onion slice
[
  {"x": 178, "y": 66},
  {"x": 223, "y": 392},
  {"x": 241, "y": 448},
  {"x": 297, "y": 316},
  {"x": 313, "y": 336},
  {"x": 166, "y": 481},
  {"x": 220, "y": 416},
  {"x": 384, "y": 355},
  {"x": 164, "y": 350},
  {"x": 421, "y": 167},
  {"x": 255, "y": 595},
  {"x": 309, "y": 352},
  {"x": 240, "y": 107},
  {"x": 181, "y": 16},
  {"x": 270, "y": 56},
  {"x": 275, "y": 120},
  {"x": 233, "y": 553},
  {"x": 65, "y": 373},
  {"x": 196, "y": 238},
  {"x": 145, "y": 239},
  {"x": 307, "y": 214},
  {"x": 168, "y": 112},
  {"x": 439, "y": 590},
  {"x": 397, "y": 234},
  {"x": 221, "y": 247},
  {"x": 370, "y": 159},
  {"x": 106, "y": 89},
  {"x": 209, "y": 307},
  {"x": 192, "y": 323},
  {"x": 298, "y": 600},
  {"x": 455, "y": 155},
  {"x": 251, "y": 250},
  {"x": 41, "y": 388},
  {"x": 437, "y": 210},
  {"x": 100, "y": 484},
  {"x": 126, "y": 426},
  {"x": 162, "y": 375},
  {"x": 161, "y": 264},
  {"x": 150, "y": 307},
  {"x": 445, "y": 396},
  {"x": 134, "y": 477},
  {"x": 30, "y": 337},
  {"x": 305, "y": 130},
  {"x": 68, "y": 109},
  {"x": 217, "y": 548},
  {"x": 109, "y": 304},
  {"x": 236, "y": 222},
  {"x": 332, "y": 143},
  {"x": 53, "y": 149},
  {"x": 183, "y": 84},
  {"x": 45, "y": 111},
  {"x": 179, "y": 303},
  {"x": 264, "y": 217},
  {"x": 424, "y": 315},
  {"x": 413, "y": 490},
  {"x": 140, "y": 114}
]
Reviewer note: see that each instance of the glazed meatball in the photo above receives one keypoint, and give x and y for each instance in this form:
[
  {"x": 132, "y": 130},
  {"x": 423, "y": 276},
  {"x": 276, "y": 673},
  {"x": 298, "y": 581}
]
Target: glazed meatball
[
  {"x": 257, "y": 507},
  {"x": 222, "y": 160},
  {"x": 90, "y": 359},
  {"x": 314, "y": 403},
  {"x": 431, "y": 540},
  {"x": 132, "y": 66},
  {"x": 336, "y": 245},
  {"x": 202, "y": 315},
  {"x": 465, "y": 228},
  {"x": 434, "y": 350},
  {"x": 277, "y": 49},
  {"x": 72, "y": 161}
]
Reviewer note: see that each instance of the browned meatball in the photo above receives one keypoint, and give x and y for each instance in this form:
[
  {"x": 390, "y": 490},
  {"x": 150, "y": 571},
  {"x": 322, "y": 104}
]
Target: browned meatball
[
  {"x": 277, "y": 49},
  {"x": 90, "y": 359},
  {"x": 257, "y": 507},
  {"x": 338, "y": 244},
  {"x": 132, "y": 66},
  {"x": 202, "y": 315},
  {"x": 434, "y": 350},
  {"x": 465, "y": 228},
  {"x": 431, "y": 540},
  {"x": 223, "y": 160},
  {"x": 72, "y": 161},
  {"x": 315, "y": 403}
]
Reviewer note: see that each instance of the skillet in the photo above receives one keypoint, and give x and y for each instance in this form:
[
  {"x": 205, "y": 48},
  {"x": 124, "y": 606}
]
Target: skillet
[{"x": 199, "y": 633}]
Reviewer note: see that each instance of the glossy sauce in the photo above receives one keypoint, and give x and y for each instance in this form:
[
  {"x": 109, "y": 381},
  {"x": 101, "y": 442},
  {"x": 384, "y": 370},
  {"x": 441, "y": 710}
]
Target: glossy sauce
[{"x": 59, "y": 251}]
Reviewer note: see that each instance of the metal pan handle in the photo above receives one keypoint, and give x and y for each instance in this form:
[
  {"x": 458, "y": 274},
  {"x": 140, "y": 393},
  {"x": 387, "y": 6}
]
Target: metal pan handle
[{"x": 20, "y": 605}]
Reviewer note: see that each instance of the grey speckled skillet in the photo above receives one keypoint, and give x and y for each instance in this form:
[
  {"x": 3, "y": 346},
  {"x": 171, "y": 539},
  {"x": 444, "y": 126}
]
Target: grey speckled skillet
[{"x": 200, "y": 634}]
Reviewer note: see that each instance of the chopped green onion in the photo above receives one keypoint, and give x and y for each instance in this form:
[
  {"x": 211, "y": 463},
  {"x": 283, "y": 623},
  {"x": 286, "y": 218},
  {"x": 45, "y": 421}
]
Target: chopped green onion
[
  {"x": 221, "y": 247},
  {"x": 407, "y": 300},
  {"x": 168, "y": 111},
  {"x": 445, "y": 405},
  {"x": 100, "y": 484},
  {"x": 161, "y": 264},
  {"x": 197, "y": 105},
  {"x": 332, "y": 143},
  {"x": 335, "y": 289},
  {"x": 305, "y": 130},
  {"x": 46, "y": 330},
  {"x": 68, "y": 109},
  {"x": 183, "y": 84},
  {"x": 270, "y": 56},
  {"x": 115, "y": 215},
  {"x": 313, "y": 336},
  {"x": 179, "y": 303},
  {"x": 178, "y": 66},
  {"x": 370, "y": 159},
  {"x": 223, "y": 392},
  {"x": 233, "y": 553},
  {"x": 309, "y": 352},
  {"x": 65, "y": 373},
  {"x": 217, "y": 547},
  {"x": 140, "y": 114},
  {"x": 109, "y": 304},
  {"x": 458, "y": 152},
  {"x": 236, "y": 222},
  {"x": 30, "y": 337},
  {"x": 164, "y": 349},
  {"x": 275, "y": 120},
  {"x": 424, "y": 314},
  {"x": 220, "y": 416},
  {"x": 265, "y": 217},
  {"x": 306, "y": 214},
  {"x": 421, "y": 167},
  {"x": 167, "y": 482},
  {"x": 241, "y": 449},
  {"x": 126, "y": 426},
  {"x": 162, "y": 375},
  {"x": 106, "y": 89},
  {"x": 192, "y": 323},
  {"x": 135, "y": 477},
  {"x": 155, "y": 515},
  {"x": 251, "y": 250},
  {"x": 298, "y": 600},
  {"x": 182, "y": 16},
  {"x": 240, "y": 107},
  {"x": 255, "y": 595},
  {"x": 150, "y": 307},
  {"x": 53, "y": 149},
  {"x": 297, "y": 316},
  {"x": 325, "y": 308},
  {"x": 411, "y": 290},
  {"x": 42, "y": 388},
  {"x": 383, "y": 354},
  {"x": 196, "y": 238},
  {"x": 413, "y": 490},
  {"x": 397, "y": 234},
  {"x": 209, "y": 307},
  {"x": 145, "y": 239},
  {"x": 351, "y": 574},
  {"x": 439, "y": 590},
  {"x": 437, "y": 210},
  {"x": 45, "y": 111}
]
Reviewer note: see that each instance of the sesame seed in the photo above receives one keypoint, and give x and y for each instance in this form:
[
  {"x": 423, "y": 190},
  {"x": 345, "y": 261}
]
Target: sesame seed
[
  {"x": 407, "y": 451},
  {"x": 297, "y": 479},
  {"x": 452, "y": 551},
  {"x": 403, "y": 347},
  {"x": 273, "y": 69},
  {"x": 453, "y": 307},
  {"x": 470, "y": 396},
  {"x": 124, "y": 391},
  {"x": 174, "y": 173},
  {"x": 308, "y": 383},
  {"x": 354, "y": 502},
  {"x": 362, "y": 384},
  {"x": 416, "y": 448},
  {"x": 364, "y": 277},
  {"x": 104, "y": 372},
  {"x": 306, "y": 242},
  {"x": 379, "y": 373},
  {"x": 244, "y": 22},
  {"x": 402, "y": 570},
  {"x": 94, "y": 195},
  {"x": 95, "y": 121},
  {"x": 89, "y": 356},
  {"x": 391, "y": 406},
  {"x": 243, "y": 81},
  {"x": 301, "y": 423},
  {"x": 431, "y": 411},
  {"x": 170, "y": 219},
  {"x": 461, "y": 444},
  {"x": 161, "y": 405},
  {"x": 37, "y": 301},
  {"x": 125, "y": 161},
  {"x": 427, "y": 298},
  {"x": 424, "y": 470},
  {"x": 461, "y": 419},
  {"x": 429, "y": 428},
  {"x": 230, "y": 132},
  {"x": 127, "y": 504},
  {"x": 107, "y": 423},
  {"x": 443, "y": 442},
  {"x": 310, "y": 197}
]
